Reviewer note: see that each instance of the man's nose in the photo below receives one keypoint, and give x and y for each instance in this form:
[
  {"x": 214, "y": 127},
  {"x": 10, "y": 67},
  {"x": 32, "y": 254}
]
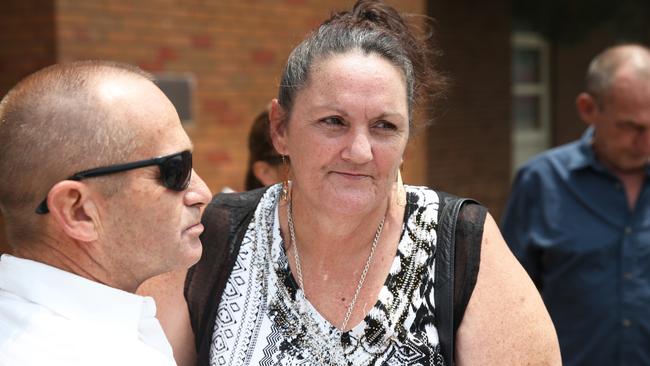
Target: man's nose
[{"x": 198, "y": 193}]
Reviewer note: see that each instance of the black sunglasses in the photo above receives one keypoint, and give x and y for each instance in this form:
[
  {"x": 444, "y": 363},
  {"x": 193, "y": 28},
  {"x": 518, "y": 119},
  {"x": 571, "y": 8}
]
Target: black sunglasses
[{"x": 175, "y": 172}]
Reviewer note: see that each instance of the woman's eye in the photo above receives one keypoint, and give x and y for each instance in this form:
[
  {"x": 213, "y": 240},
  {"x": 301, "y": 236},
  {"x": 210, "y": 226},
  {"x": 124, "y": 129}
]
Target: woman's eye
[
  {"x": 385, "y": 125},
  {"x": 333, "y": 121}
]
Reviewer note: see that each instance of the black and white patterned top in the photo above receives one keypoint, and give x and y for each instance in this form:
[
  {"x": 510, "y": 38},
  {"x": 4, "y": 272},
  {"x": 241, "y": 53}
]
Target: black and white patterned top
[{"x": 262, "y": 320}]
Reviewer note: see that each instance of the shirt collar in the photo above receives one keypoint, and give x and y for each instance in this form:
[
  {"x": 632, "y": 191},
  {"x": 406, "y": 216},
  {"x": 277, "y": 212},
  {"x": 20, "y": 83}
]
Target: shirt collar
[
  {"x": 585, "y": 156},
  {"x": 72, "y": 296}
]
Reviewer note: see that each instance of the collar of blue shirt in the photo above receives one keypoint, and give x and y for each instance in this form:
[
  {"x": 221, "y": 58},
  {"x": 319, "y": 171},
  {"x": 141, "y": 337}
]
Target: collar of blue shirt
[{"x": 586, "y": 157}]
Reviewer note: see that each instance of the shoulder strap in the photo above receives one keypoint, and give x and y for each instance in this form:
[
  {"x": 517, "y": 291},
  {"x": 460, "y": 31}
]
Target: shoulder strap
[
  {"x": 444, "y": 280},
  {"x": 225, "y": 219}
]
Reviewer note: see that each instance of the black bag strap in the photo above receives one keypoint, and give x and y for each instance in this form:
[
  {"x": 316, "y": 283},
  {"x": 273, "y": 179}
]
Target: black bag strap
[
  {"x": 444, "y": 280},
  {"x": 226, "y": 219}
]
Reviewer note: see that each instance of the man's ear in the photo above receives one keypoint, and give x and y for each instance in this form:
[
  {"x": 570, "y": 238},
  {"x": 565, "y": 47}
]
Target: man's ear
[
  {"x": 277, "y": 123},
  {"x": 588, "y": 108},
  {"x": 72, "y": 205}
]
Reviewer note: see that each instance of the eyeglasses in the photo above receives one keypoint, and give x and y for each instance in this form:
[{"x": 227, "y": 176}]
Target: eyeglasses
[{"x": 175, "y": 172}]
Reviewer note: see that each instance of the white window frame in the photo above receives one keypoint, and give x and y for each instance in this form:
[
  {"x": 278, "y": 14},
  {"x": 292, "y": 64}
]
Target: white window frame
[{"x": 528, "y": 142}]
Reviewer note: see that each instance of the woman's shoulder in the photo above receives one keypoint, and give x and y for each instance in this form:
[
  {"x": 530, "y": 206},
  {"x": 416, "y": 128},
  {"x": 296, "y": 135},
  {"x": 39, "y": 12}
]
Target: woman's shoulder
[
  {"x": 421, "y": 196},
  {"x": 238, "y": 199},
  {"x": 503, "y": 299},
  {"x": 236, "y": 203},
  {"x": 419, "y": 189}
]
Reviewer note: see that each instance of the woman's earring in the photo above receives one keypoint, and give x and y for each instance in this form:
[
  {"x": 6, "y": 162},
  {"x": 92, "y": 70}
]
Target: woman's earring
[
  {"x": 400, "y": 198},
  {"x": 284, "y": 194}
]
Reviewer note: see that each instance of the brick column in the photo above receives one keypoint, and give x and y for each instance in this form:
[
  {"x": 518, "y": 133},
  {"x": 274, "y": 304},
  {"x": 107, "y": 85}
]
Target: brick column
[
  {"x": 27, "y": 43},
  {"x": 469, "y": 145}
]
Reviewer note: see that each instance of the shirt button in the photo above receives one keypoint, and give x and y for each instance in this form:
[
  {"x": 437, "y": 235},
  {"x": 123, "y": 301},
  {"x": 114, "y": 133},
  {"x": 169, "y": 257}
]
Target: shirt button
[
  {"x": 626, "y": 322},
  {"x": 618, "y": 186},
  {"x": 628, "y": 230},
  {"x": 627, "y": 275}
]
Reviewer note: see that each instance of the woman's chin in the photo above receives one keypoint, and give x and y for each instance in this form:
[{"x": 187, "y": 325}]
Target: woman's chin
[{"x": 347, "y": 201}]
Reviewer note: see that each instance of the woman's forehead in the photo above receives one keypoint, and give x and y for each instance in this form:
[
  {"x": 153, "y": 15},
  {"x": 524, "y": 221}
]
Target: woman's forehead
[
  {"x": 355, "y": 62},
  {"x": 353, "y": 74}
]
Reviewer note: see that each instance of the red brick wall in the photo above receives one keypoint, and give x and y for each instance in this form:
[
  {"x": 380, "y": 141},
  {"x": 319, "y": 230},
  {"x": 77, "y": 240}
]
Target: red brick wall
[
  {"x": 469, "y": 147},
  {"x": 235, "y": 50},
  {"x": 26, "y": 44},
  {"x": 569, "y": 62},
  {"x": 27, "y": 33}
]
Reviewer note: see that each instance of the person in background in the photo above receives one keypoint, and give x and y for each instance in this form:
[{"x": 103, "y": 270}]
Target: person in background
[
  {"x": 578, "y": 218},
  {"x": 338, "y": 265},
  {"x": 98, "y": 193},
  {"x": 264, "y": 163}
]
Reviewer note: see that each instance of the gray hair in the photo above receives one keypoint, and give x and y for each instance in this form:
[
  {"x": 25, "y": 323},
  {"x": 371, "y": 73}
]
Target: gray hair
[
  {"x": 373, "y": 28},
  {"x": 328, "y": 41}
]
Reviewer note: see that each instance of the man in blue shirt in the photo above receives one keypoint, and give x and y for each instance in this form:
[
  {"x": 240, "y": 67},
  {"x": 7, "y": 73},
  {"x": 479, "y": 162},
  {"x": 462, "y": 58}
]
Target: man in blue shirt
[{"x": 578, "y": 218}]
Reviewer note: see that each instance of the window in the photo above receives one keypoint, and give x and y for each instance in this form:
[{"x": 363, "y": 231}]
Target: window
[{"x": 530, "y": 97}]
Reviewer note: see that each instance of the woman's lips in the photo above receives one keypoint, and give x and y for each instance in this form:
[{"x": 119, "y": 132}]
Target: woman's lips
[{"x": 353, "y": 176}]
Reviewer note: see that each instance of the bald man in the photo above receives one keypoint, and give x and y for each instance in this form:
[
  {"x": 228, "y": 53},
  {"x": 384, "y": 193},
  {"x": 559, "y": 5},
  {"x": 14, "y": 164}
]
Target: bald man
[
  {"x": 578, "y": 218},
  {"x": 98, "y": 193}
]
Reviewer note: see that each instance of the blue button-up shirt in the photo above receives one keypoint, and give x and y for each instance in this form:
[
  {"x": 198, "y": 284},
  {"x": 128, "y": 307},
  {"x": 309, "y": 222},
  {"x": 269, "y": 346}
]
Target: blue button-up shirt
[{"x": 569, "y": 224}]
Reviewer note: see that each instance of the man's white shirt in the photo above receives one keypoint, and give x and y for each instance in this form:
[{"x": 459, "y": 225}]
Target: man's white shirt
[{"x": 52, "y": 317}]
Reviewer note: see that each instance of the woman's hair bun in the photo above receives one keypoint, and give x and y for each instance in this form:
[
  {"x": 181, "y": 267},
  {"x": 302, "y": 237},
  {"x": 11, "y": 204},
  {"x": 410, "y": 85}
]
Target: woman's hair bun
[{"x": 379, "y": 14}]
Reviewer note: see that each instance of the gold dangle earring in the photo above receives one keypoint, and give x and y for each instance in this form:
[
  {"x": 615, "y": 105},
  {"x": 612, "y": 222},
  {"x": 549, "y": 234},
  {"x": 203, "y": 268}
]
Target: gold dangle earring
[
  {"x": 284, "y": 194},
  {"x": 400, "y": 197}
]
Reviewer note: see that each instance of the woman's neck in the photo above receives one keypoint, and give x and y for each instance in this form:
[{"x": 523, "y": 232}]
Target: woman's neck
[{"x": 321, "y": 232}]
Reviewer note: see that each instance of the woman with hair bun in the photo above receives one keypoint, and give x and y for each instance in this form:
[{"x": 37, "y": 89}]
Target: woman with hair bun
[{"x": 343, "y": 264}]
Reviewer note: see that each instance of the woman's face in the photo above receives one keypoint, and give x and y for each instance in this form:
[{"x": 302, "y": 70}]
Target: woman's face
[{"x": 347, "y": 132}]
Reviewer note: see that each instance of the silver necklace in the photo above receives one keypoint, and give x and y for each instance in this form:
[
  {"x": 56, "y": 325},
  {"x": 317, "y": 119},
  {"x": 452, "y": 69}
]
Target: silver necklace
[{"x": 362, "y": 279}]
